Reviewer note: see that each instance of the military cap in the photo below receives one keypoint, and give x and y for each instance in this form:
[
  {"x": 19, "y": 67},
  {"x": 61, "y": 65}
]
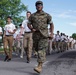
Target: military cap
[{"x": 38, "y": 2}]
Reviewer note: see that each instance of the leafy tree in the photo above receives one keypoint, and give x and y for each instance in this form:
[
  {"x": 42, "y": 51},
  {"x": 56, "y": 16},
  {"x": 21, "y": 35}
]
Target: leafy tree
[
  {"x": 12, "y": 8},
  {"x": 74, "y": 35}
]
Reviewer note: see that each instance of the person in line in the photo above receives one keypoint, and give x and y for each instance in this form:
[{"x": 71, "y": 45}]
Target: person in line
[
  {"x": 19, "y": 39},
  {"x": 57, "y": 38},
  {"x": 9, "y": 30},
  {"x": 39, "y": 21},
  {"x": 27, "y": 39}
]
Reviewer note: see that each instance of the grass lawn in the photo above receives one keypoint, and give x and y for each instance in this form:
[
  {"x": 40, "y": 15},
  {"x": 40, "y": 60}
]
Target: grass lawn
[{"x": 1, "y": 50}]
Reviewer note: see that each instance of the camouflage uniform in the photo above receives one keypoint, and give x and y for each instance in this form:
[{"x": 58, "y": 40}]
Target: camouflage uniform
[{"x": 40, "y": 22}]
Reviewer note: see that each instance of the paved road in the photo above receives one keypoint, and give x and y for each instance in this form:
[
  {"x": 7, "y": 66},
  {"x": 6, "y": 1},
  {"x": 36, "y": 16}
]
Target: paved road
[{"x": 56, "y": 64}]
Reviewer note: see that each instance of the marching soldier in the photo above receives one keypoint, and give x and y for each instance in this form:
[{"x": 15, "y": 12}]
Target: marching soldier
[{"x": 39, "y": 21}]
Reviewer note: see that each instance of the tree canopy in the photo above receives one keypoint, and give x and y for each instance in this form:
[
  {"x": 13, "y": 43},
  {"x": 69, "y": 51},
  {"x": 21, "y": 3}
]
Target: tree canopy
[
  {"x": 74, "y": 35},
  {"x": 12, "y": 8}
]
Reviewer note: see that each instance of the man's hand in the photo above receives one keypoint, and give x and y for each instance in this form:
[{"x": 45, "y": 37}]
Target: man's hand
[
  {"x": 33, "y": 30},
  {"x": 10, "y": 32}
]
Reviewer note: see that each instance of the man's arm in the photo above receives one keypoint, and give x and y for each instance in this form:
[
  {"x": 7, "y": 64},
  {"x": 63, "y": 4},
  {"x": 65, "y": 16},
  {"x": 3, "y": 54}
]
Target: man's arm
[
  {"x": 51, "y": 30},
  {"x": 0, "y": 33},
  {"x": 4, "y": 33},
  {"x": 31, "y": 27},
  {"x": 12, "y": 32}
]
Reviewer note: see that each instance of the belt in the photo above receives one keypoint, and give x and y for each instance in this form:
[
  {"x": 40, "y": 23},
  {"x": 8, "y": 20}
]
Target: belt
[
  {"x": 27, "y": 32},
  {"x": 22, "y": 34},
  {"x": 9, "y": 35}
]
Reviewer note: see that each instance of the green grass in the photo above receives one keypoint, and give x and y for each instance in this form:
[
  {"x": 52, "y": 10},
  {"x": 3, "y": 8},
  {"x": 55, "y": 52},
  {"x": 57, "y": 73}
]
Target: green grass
[{"x": 1, "y": 49}]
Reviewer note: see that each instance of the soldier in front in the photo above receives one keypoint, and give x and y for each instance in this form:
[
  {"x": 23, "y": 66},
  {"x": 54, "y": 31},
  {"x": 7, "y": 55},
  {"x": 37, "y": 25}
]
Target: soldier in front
[{"x": 39, "y": 21}]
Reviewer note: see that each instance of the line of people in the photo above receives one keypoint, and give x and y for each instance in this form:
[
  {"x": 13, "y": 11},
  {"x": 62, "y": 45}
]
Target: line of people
[
  {"x": 17, "y": 39},
  {"x": 61, "y": 42},
  {"x": 23, "y": 42},
  {"x": 32, "y": 37},
  {"x": 21, "y": 38},
  {"x": 37, "y": 24}
]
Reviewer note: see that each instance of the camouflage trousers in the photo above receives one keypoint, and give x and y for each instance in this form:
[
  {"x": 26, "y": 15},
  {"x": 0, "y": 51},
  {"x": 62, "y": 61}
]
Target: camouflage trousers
[{"x": 40, "y": 45}]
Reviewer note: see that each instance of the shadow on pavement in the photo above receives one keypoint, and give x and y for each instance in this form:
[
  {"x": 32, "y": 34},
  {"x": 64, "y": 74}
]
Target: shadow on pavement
[
  {"x": 70, "y": 54},
  {"x": 67, "y": 57}
]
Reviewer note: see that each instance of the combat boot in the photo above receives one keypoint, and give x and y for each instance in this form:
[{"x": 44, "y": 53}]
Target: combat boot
[
  {"x": 28, "y": 60},
  {"x": 38, "y": 69}
]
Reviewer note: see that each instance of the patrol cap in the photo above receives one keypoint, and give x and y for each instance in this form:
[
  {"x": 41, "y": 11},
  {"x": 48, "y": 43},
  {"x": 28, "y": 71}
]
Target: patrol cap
[{"x": 38, "y": 2}]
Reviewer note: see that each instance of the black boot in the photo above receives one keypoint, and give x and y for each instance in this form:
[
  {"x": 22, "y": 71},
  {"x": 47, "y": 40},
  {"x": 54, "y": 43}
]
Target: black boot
[
  {"x": 6, "y": 58},
  {"x": 9, "y": 59},
  {"x": 28, "y": 60}
]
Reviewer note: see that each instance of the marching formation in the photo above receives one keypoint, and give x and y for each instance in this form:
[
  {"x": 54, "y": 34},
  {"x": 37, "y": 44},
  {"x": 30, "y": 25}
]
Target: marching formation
[
  {"x": 61, "y": 42},
  {"x": 33, "y": 37}
]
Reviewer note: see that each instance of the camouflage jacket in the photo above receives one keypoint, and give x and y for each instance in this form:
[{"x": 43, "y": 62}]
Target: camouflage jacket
[{"x": 40, "y": 22}]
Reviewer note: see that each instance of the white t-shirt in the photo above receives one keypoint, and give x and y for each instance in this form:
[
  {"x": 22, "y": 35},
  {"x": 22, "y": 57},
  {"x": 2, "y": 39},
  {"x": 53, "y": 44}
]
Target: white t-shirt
[
  {"x": 73, "y": 41},
  {"x": 66, "y": 39},
  {"x": 21, "y": 30},
  {"x": 57, "y": 37},
  {"x": 62, "y": 38},
  {"x": 19, "y": 33},
  {"x": 15, "y": 34},
  {"x": 24, "y": 24},
  {"x": 70, "y": 39},
  {"x": 0, "y": 31},
  {"x": 9, "y": 27}
]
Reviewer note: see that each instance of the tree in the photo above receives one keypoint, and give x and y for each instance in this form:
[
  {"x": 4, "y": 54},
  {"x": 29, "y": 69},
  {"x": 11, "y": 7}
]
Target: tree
[
  {"x": 12, "y": 8},
  {"x": 74, "y": 35}
]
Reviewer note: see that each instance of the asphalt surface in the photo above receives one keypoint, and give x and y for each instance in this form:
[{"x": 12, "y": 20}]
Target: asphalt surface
[{"x": 56, "y": 64}]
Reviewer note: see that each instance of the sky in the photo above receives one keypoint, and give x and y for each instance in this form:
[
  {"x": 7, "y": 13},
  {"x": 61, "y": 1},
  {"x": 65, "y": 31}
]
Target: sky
[{"x": 63, "y": 13}]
